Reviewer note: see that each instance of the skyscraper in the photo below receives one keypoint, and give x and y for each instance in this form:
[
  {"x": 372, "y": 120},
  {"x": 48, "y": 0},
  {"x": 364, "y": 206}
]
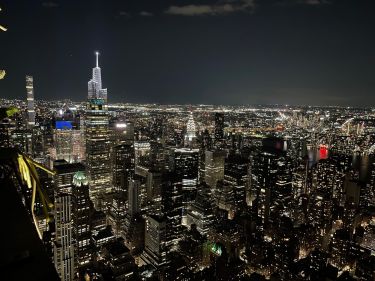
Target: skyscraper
[
  {"x": 172, "y": 208},
  {"x": 63, "y": 144},
  {"x": 270, "y": 184},
  {"x": 122, "y": 170},
  {"x": 81, "y": 218},
  {"x": 64, "y": 245},
  {"x": 236, "y": 176},
  {"x": 190, "y": 130},
  {"x": 72, "y": 247},
  {"x": 122, "y": 155},
  {"x": 133, "y": 197},
  {"x": 214, "y": 167},
  {"x": 185, "y": 166},
  {"x": 97, "y": 137},
  {"x": 95, "y": 90},
  {"x": 133, "y": 227},
  {"x": 28, "y": 134},
  {"x": 117, "y": 214},
  {"x": 30, "y": 101},
  {"x": 200, "y": 212},
  {"x": 155, "y": 252},
  {"x": 219, "y": 127}
]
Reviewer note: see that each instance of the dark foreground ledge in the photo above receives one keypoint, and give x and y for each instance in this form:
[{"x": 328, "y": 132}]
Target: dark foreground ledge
[{"x": 22, "y": 254}]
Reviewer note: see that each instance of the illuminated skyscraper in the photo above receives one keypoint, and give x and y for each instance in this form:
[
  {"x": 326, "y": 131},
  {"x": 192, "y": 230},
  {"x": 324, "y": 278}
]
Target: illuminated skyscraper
[
  {"x": 185, "y": 164},
  {"x": 64, "y": 248},
  {"x": 219, "y": 127},
  {"x": 72, "y": 247},
  {"x": 133, "y": 197},
  {"x": 155, "y": 252},
  {"x": 122, "y": 155},
  {"x": 236, "y": 176},
  {"x": 172, "y": 208},
  {"x": 95, "y": 90},
  {"x": 65, "y": 243},
  {"x": 27, "y": 135},
  {"x": 214, "y": 167},
  {"x": 200, "y": 212},
  {"x": 190, "y": 130},
  {"x": 30, "y": 101},
  {"x": 81, "y": 218},
  {"x": 122, "y": 170},
  {"x": 270, "y": 184},
  {"x": 63, "y": 144},
  {"x": 97, "y": 137}
]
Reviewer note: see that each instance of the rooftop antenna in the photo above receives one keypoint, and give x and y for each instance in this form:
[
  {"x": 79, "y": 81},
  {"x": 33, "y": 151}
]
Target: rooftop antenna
[{"x": 97, "y": 58}]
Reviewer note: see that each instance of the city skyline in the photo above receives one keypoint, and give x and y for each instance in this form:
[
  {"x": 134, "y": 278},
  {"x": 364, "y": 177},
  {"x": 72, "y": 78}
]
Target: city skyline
[
  {"x": 227, "y": 140},
  {"x": 208, "y": 52}
]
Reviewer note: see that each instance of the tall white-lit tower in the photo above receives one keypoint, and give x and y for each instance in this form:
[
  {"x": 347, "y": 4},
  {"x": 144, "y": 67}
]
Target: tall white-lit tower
[
  {"x": 95, "y": 84},
  {"x": 30, "y": 102},
  {"x": 97, "y": 136}
]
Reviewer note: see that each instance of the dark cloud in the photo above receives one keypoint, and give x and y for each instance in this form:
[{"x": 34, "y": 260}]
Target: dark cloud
[
  {"x": 315, "y": 2},
  {"x": 302, "y": 2},
  {"x": 219, "y": 8},
  {"x": 50, "y": 4},
  {"x": 124, "y": 14},
  {"x": 146, "y": 14},
  {"x": 227, "y": 7}
]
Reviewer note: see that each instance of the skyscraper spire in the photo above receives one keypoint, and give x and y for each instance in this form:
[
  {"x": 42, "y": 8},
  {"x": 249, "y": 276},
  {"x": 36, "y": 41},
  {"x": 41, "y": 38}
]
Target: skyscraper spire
[
  {"x": 97, "y": 58},
  {"x": 95, "y": 84},
  {"x": 190, "y": 128}
]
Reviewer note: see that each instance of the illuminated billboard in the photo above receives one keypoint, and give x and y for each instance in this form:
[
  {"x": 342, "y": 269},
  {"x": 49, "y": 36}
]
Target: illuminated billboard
[{"x": 64, "y": 125}]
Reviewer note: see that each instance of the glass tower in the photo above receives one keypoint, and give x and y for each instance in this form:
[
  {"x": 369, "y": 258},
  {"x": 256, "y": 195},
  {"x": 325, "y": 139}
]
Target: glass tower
[{"x": 97, "y": 137}]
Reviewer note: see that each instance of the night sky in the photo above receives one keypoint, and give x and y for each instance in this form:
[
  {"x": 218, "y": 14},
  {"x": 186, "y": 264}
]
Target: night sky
[{"x": 186, "y": 52}]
